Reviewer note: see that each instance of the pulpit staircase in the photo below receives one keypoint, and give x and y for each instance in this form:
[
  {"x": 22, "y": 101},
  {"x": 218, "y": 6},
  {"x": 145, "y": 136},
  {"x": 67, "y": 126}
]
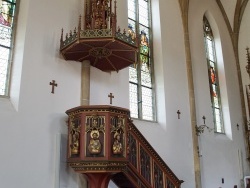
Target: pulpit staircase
[{"x": 104, "y": 145}]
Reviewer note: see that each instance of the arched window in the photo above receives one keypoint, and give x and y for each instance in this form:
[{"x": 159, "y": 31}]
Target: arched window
[
  {"x": 7, "y": 13},
  {"x": 140, "y": 74},
  {"x": 213, "y": 76}
]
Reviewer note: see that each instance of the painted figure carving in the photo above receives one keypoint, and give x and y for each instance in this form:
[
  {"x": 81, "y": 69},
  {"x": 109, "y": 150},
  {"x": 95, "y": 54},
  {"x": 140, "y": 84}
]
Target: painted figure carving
[
  {"x": 94, "y": 143},
  {"x": 117, "y": 145},
  {"x": 75, "y": 135},
  {"x": 75, "y": 144}
]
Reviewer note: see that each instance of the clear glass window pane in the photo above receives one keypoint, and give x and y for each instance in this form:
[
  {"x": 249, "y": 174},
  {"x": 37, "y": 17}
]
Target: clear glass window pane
[
  {"x": 147, "y": 109},
  {"x": 5, "y": 35},
  {"x": 133, "y": 100},
  {"x": 4, "y": 57},
  {"x": 143, "y": 13},
  {"x": 145, "y": 76},
  {"x": 133, "y": 74},
  {"x": 131, "y": 9},
  {"x": 210, "y": 50}
]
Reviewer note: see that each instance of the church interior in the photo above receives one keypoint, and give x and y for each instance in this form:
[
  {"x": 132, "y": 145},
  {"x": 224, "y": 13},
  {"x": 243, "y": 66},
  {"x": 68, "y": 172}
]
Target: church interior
[{"x": 125, "y": 93}]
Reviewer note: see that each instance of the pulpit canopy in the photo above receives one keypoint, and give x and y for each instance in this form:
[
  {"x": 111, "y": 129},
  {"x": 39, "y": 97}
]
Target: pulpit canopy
[{"x": 100, "y": 41}]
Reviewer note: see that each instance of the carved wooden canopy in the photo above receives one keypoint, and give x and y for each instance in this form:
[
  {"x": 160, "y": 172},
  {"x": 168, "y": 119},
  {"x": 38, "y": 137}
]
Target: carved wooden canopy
[{"x": 100, "y": 41}]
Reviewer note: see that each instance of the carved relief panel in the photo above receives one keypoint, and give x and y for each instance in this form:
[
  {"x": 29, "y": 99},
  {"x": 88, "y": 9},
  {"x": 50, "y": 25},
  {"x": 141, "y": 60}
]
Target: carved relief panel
[
  {"x": 145, "y": 163},
  {"x": 74, "y": 135},
  {"x": 132, "y": 155},
  {"x": 95, "y": 134},
  {"x": 117, "y": 126},
  {"x": 158, "y": 176}
]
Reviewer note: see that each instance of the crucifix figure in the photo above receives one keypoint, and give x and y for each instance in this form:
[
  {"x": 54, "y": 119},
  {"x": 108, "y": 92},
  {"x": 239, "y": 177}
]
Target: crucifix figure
[
  {"x": 178, "y": 112},
  {"x": 111, "y": 97},
  {"x": 204, "y": 119},
  {"x": 53, "y": 84}
]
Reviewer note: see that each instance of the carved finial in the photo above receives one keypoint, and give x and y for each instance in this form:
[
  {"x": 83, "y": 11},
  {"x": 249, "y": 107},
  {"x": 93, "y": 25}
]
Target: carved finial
[
  {"x": 115, "y": 14},
  {"x": 61, "y": 40},
  {"x": 86, "y": 15},
  {"x": 79, "y": 28},
  {"x": 248, "y": 55},
  {"x": 79, "y": 23},
  {"x": 62, "y": 35},
  {"x": 124, "y": 31},
  {"x": 248, "y": 61},
  {"x": 67, "y": 36},
  {"x": 75, "y": 30},
  {"x": 70, "y": 33},
  {"x": 119, "y": 29}
]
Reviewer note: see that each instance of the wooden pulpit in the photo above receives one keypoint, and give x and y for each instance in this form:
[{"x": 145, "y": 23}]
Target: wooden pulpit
[{"x": 97, "y": 142}]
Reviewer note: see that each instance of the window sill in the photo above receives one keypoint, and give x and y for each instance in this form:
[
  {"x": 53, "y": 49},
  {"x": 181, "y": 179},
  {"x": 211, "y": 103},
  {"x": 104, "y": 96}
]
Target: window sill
[
  {"x": 6, "y": 105},
  {"x": 149, "y": 121}
]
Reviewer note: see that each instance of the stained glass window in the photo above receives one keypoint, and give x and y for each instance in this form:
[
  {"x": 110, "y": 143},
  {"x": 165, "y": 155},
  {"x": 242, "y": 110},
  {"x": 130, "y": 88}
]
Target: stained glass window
[
  {"x": 213, "y": 77},
  {"x": 7, "y": 11},
  {"x": 140, "y": 75}
]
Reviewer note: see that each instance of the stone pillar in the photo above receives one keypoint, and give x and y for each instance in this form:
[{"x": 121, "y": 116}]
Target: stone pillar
[
  {"x": 184, "y": 7},
  {"x": 85, "y": 83}
]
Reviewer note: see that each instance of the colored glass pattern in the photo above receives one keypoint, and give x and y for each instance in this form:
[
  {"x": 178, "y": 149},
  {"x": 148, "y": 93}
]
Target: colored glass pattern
[
  {"x": 7, "y": 10},
  {"x": 140, "y": 76},
  {"x": 213, "y": 77}
]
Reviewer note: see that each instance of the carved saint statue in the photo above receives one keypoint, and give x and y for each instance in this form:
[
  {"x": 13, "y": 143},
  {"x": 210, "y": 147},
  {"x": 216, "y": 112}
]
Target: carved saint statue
[
  {"x": 75, "y": 135},
  {"x": 117, "y": 145},
  {"x": 75, "y": 144},
  {"x": 94, "y": 143}
]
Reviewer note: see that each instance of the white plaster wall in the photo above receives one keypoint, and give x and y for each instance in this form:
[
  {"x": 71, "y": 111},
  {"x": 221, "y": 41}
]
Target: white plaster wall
[
  {"x": 32, "y": 119},
  {"x": 29, "y": 128},
  {"x": 103, "y": 83},
  {"x": 244, "y": 41},
  {"x": 219, "y": 152}
]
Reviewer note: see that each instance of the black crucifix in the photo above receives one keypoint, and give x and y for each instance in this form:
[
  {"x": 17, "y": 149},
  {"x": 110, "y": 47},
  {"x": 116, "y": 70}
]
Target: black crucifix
[
  {"x": 111, "y": 97},
  {"x": 204, "y": 119},
  {"x": 53, "y": 84},
  {"x": 178, "y": 112}
]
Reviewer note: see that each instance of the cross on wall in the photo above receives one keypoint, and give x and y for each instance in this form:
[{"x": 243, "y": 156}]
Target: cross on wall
[
  {"x": 53, "y": 84},
  {"x": 111, "y": 96}
]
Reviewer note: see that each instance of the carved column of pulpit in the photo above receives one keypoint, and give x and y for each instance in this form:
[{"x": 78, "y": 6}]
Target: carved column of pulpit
[{"x": 97, "y": 142}]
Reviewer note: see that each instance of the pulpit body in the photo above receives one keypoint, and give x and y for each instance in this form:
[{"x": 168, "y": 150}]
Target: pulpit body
[
  {"x": 104, "y": 144},
  {"x": 97, "y": 140}
]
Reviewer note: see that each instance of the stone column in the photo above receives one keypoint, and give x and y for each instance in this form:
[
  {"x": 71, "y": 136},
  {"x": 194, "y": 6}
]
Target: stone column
[
  {"x": 184, "y": 7},
  {"x": 85, "y": 82}
]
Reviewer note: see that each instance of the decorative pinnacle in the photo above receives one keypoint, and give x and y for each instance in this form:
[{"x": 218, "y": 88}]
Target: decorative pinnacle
[
  {"x": 248, "y": 61},
  {"x": 79, "y": 23},
  {"x": 62, "y": 35},
  {"x": 248, "y": 55}
]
